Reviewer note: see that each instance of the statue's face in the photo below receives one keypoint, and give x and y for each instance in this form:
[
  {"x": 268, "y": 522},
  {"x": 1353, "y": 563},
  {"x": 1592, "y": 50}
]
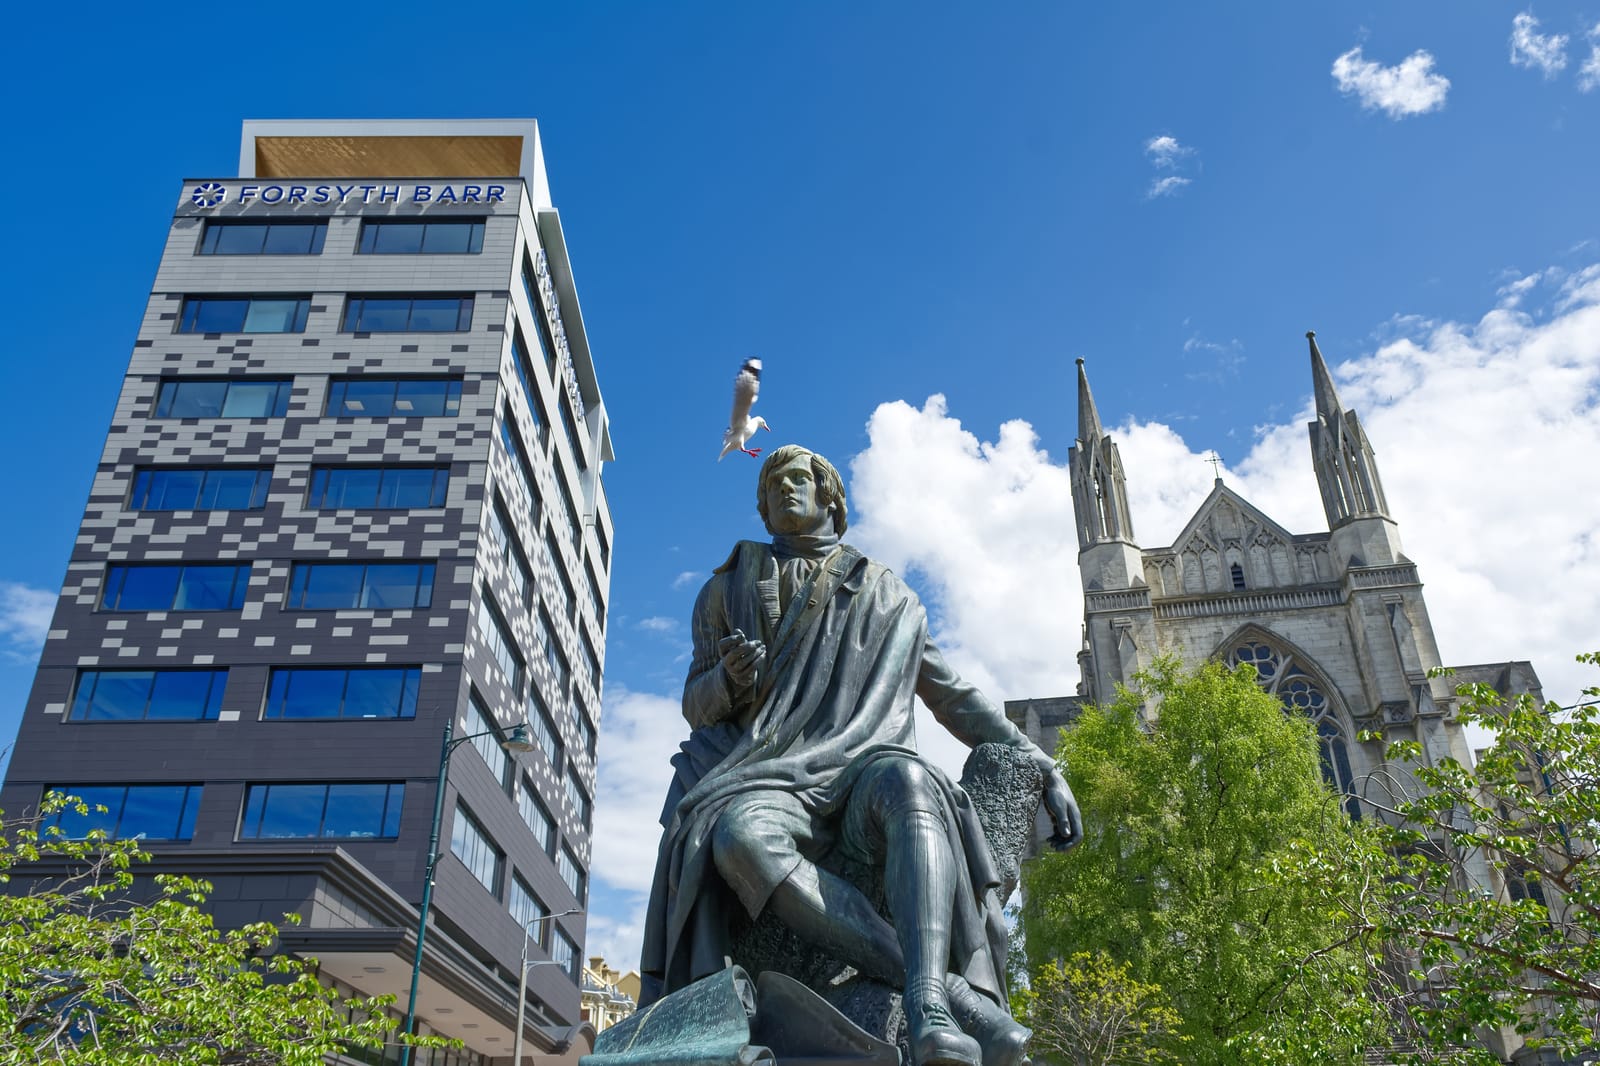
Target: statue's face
[{"x": 792, "y": 504}]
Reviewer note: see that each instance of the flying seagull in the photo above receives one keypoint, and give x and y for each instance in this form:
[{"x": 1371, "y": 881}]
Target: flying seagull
[{"x": 741, "y": 427}]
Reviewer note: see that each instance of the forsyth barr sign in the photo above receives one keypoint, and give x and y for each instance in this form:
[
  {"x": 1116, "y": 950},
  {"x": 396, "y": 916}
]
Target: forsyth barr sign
[{"x": 215, "y": 194}]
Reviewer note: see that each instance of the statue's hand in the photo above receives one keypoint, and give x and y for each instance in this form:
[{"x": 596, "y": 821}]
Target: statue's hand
[
  {"x": 741, "y": 658},
  {"x": 1063, "y": 808}
]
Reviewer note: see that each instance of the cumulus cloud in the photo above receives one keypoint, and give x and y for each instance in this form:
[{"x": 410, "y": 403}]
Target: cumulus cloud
[
  {"x": 1512, "y": 292},
  {"x": 1167, "y": 186},
  {"x": 1536, "y": 51},
  {"x": 1589, "y": 73},
  {"x": 1165, "y": 151},
  {"x": 657, "y": 624},
  {"x": 1488, "y": 437},
  {"x": 639, "y": 733},
  {"x": 687, "y": 577},
  {"x": 1410, "y": 88},
  {"x": 24, "y": 617}
]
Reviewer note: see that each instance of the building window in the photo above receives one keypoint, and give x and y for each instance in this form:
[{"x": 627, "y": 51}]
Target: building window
[
  {"x": 485, "y": 734},
  {"x": 577, "y": 796},
  {"x": 590, "y": 662},
  {"x": 574, "y": 524},
  {"x": 149, "y": 812},
  {"x": 1236, "y": 572},
  {"x": 263, "y": 238},
  {"x": 337, "y": 692},
  {"x": 408, "y": 314},
  {"x": 544, "y": 730},
  {"x": 586, "y": 732},
  {"x": 538, "y": 819},
  {"x": 571, "y": 872},
  {"x": 394, "y": 397},
  {"x": 605, "y": 545},
  {"x": 244, "y": 314},
  {"x": 199, "y": 488},
  {"x": 595, "y": 602},
  {"x": 518, "y": 453},
  {"x": 379, "y": 487},
  {"x": 1279, "y": 674},
  {"x": 339, "y": 586},
  {"x": 503, "y": 546},
  {"x": 295, "y": 811},
  {"x": 234, "y": 398},
  {"x": 497, "y": 636},
  {"x": 553, "y": 559},
  {"x": 177, "y": 587},
  {"x": 526, "y": 909},
  {"x": 564, "y": 951},
  {"x": 552, "y": 654},
  {"x": 571, "y": 430},
  {"x": 421, "y": 238},
  {"x": 477, "y": 852},
  {"x": 149, "y": 695}
]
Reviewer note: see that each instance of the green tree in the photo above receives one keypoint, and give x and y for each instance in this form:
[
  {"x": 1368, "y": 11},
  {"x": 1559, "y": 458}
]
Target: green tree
[
  {"x": 1457, "y": 957},
  {"x": 1087, "y": 1010},
  {"x": 1185, "y": 875},
  {"x": 94, "y": 974}
]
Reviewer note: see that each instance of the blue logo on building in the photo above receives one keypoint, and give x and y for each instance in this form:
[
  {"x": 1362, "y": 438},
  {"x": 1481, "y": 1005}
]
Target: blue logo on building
[{"x": 209, "y": 195}]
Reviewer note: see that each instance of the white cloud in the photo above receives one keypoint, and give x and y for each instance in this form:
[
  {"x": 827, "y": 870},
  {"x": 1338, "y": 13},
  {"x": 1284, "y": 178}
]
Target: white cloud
[
  {"x": 1589, "y": 73},
  {"x": 639, "y": 734},
  {"x": 24, "y": 617},
  {"x": 1411, "y": 88},
  {"x": 1534, "y": 50},
  {"x": 1512, "y": 292},
  {"x": 1488, "y": 438},
  {"x": 658, "y": 624},
  {"x": 1165, "y": 151},
  {"x": 686, "y": 577},
  {"x": 1167, "y": 186}
]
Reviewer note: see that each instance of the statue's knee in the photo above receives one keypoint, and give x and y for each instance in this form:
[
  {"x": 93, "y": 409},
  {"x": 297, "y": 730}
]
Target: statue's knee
[{"x": 905, "y": 785}]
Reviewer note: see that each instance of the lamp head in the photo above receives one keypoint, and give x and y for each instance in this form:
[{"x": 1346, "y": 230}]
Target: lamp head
[{"x": 519, "y": 740}]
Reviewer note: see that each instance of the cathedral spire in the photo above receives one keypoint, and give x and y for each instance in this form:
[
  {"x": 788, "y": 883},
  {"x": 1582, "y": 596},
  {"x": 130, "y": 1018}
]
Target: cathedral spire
[
  {"x": 1088, "y": 417},
  {"x": 1347, "y": 470},
  {"x": 1099, "y": 489}
]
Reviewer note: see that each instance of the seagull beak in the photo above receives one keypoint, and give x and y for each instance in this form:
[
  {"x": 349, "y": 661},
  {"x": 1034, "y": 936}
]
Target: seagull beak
[{"x": 766, "y": 427}]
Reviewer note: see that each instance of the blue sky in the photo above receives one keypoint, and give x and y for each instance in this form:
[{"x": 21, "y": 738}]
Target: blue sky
[{"x": 892, "y": 202}]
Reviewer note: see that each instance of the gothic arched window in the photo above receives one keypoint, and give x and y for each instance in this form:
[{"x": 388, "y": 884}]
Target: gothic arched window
[{"x": 1278, "y": 674}]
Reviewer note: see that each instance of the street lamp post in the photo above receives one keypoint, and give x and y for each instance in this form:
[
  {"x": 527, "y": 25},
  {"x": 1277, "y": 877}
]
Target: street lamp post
[
  {"x": 519, "y": 740},
  {"x": 522, "y": 978}
]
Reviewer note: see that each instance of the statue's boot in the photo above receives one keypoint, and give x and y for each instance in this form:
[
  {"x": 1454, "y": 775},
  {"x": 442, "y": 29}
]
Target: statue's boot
[
  {"x": 1003, "y": 1040},
  {"x": 830, "y": 912},
  {"x": 935, "y": 1037}
]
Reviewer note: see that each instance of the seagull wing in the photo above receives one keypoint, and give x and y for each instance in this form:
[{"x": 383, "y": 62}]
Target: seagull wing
[{"x": 746, "y": 387}]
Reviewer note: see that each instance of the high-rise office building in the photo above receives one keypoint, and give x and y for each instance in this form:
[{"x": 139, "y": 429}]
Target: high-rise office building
[{"x": 351, "y": 494}]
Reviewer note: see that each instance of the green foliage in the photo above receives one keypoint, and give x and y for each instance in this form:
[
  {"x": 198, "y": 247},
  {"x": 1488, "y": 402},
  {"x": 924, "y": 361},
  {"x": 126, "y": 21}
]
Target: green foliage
[
  {"x": 1186, "y": 875},
  {"x": 1456, "y": 957},
  {"x": 1087, "y": 1010},
  {"x": 92, "y": 974}
]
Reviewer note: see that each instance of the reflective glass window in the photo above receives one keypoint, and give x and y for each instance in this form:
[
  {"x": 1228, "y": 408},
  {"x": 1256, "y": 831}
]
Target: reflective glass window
[
  {"x": 288, "y": 811},
  {"x": 148, "y": 695},
  {"x": 552, "y": 653},
  {"x": 394, "y": 397},
  {"x": 485, "y": 734},
  {"x": 151, "y": 812},
  {"x": 571, "y": 873},
  {"x": 200, "y": 489},
  {"x": 577, "y": 796},
  {"x": 517, "y": 453},
  {"x": 263, "y": 238},
  {"x": 526, "y": 909},
  {"x": 544, "y": 730},
  {"x": 477, "y": 852},
  {"x": 339, "y": 692},
  {"x": 570, "y": 428},
  {"x": 564, "y": 951},
  {"x": 238, "y": 398},
  {"x": 177, "y": 587},
  {"x": 459, "y": 236},
  {"x": 244, "y": 314},
  {"x": 497, "y": 636},
  {"x": 335, "y": 586},
  {"x": 408, "y": 314},
  {"x": 538, "y": 819},
  {"x": 502, "y": 543},
  {"x": 384, "y": 487}
]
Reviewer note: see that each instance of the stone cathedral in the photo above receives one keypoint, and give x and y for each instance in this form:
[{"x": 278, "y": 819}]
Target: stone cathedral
[{"x": 1334, "y": 621}]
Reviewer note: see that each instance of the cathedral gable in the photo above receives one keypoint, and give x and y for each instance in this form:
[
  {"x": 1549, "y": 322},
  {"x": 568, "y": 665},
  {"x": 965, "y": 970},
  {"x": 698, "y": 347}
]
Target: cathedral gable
[{"x": 1229, "y": 546}]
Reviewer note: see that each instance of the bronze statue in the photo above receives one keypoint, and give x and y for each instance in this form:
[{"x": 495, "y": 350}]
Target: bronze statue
[{"x": 807, "y": 659}]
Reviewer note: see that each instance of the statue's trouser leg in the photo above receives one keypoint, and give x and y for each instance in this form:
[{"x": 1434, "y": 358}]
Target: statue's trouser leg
[
  {"x": 906, "y": 812},
  {"x": 757, "y": 847}
]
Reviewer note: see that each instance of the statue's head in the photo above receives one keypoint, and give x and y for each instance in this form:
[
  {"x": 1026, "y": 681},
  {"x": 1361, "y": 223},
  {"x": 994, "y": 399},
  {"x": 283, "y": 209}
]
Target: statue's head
[{"x": 829, "y": 485}]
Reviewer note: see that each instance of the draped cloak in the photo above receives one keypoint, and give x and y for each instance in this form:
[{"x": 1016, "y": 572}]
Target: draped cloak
[{"x": 837, "y": 692}]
